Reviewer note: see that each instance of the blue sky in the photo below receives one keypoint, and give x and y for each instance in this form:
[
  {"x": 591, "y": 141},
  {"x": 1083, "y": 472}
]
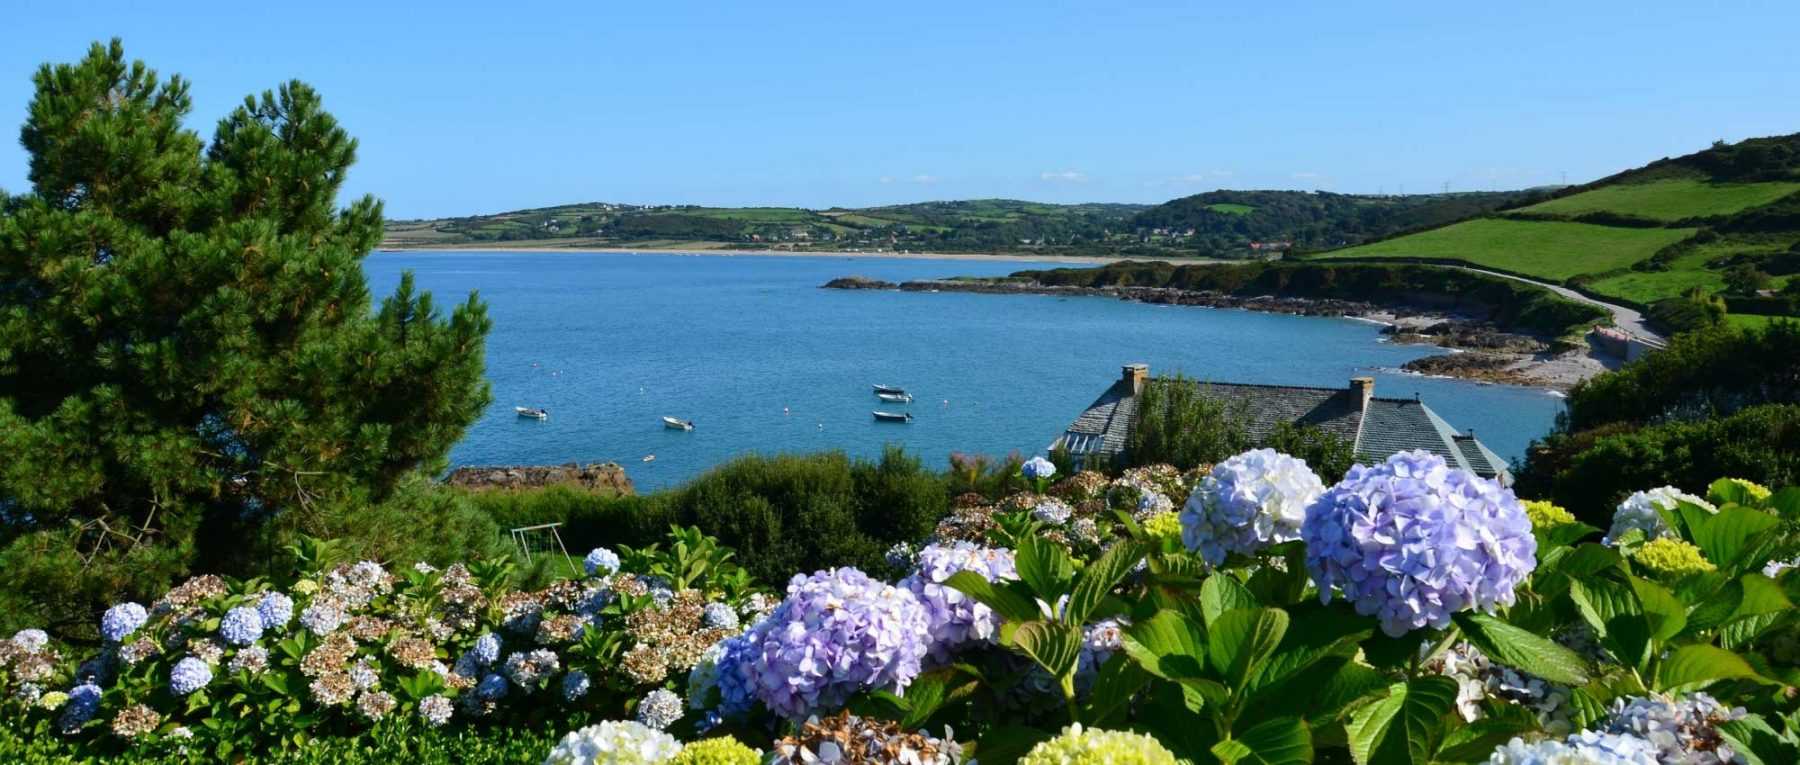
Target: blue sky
[{"x": 465, "y": 107}]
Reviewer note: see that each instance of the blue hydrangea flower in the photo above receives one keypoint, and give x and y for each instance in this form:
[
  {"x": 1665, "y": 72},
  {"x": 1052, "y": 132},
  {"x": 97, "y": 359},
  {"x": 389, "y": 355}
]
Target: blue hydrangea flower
[
  {"x": 719, "y": 616},
  {"x": 1587, "y": 747},
  {"x": 31, "y": 640},
  {"x": 84, "y": 701},
  {"x": 1037, "y": 469},
  {"x": 601, "y": 561},
  {"x": 726, "y": 667},
  {"x": 574, "y": 685},
  {"x": 492, "y": 687},
  {"x": 1641, "y": 511},
  {"x": 241, "y": 626},
  {"x": 1052, "y": 511},
  {"x": 1248, "y": 502},
  {"x": 955, "y": 618},
  {"x": 189, "y": 675},
  {"x": 322, "y": 617},
  {"x": 659, "y": 709},
  {"x": 275, "y": 609},
  {"x": 486, "y": 650},
  {"x": 837, "y": 633},
  {"x": 1677, "y": 730},
  {"x": 1412, "y": 541},
  {"x": 121, "y": 620}
]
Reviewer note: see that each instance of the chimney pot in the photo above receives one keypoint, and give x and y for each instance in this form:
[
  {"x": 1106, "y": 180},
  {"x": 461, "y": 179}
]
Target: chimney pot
[
  {"x": 1137, "y": 375},
  {"x": 1364, "y": 388}
]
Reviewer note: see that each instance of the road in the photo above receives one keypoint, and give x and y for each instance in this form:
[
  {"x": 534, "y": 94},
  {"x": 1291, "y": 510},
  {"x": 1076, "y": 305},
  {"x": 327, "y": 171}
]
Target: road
[{"x": 1628, "y": 319}]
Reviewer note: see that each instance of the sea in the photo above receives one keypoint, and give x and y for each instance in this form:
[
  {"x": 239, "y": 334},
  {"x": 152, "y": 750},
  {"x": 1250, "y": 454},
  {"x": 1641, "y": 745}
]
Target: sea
[{"x": 762, "y": 360}]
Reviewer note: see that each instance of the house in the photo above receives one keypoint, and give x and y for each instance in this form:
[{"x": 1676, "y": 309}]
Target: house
[{"x": 1377, "y": 427}]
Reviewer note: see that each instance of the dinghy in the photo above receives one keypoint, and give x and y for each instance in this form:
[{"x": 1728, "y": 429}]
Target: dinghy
[
  {"x": 892, "y": 416},
  {"x": 675, "y": 423},
  {"x": 880, "y": 389},
  {"x": 536, "y": 414},
  {"x": 895, "y": 398}
]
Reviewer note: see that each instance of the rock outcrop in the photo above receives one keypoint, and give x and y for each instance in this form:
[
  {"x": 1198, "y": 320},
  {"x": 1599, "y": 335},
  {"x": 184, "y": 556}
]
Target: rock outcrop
[
  {"x": 600, "y": 477},
  {"x": 858, "y": 283}
]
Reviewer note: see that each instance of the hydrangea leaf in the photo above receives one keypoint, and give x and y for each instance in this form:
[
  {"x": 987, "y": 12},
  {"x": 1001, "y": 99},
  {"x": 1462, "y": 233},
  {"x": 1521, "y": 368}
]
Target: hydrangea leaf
[
  {"x": 1239, "y": 641},
  {"x": 1664, "y": 613},
  {"x": 1100, "y": 577},
  {"x": 1008, "y": 743},
  {"x": 1406, "y": 726},
  {"x": 1736, "y": 530},
  {"x": 1223, "y": 592},
  {"x": 1120, "y": 678},
  {"x": 1168, "y": 645},
  {"x": 1523, "y": 649},
  {"x": 1695, "y": 666},
  {"x": 1045, "y": 566},
  {"x": 1280, "y": 741},
  {"x": 1786, "y": 503},
  {"x": 1007, "y": 602},
  {"x": 1053, "y": 645},
  {"x": 1757, "y": 742}
]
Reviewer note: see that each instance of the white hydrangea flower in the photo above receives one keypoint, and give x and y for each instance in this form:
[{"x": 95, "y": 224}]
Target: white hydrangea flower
[
  {"x": 614, "y": 743},
  {"x": 1641, "y": 511},
  {"x": 1247, "y": 503}
]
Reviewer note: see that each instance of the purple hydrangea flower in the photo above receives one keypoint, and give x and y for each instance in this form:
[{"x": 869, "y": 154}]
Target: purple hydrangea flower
[
  {"x": 275, "y": 609},
  {"x": 1052, "y": 511},
  {"x": 1248, "y": 502},
  {"x": 121, "y": 620},
  {"x": 1037, "y": 469},
  {"x": 1678, "y": 730},
  {"x": 837, "y": 633},
  {"x": 322, "y": 617},
  {"x": 601, "y": 561},
  {"x": 955, "y": 618},
  {"x": 189, "y": 675},
  {"x": 1412, "y": 541},
  {"x": 241, "y": 626}
]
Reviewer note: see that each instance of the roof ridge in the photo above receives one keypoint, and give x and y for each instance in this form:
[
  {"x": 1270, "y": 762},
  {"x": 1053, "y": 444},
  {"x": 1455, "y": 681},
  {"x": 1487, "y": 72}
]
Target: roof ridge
[{"x": 1256, "y": 385}]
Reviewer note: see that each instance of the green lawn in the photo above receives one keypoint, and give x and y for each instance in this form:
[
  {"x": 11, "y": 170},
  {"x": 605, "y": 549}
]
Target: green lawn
[
  {"x": 1753, "y": 321},
  {"x": 1231, "y": 209},
  {"x": 1550, "y": 250},
  {"x": 1669, "y": 199}
]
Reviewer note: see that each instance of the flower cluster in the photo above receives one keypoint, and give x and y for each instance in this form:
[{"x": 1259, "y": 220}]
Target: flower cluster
[
  {"x": 1671, "y": 558},
  {"x": 121, "y": 620},
  {"x": 1681, "y": 730},
  {"x": 1757, "y": 492},
  {"x": 614, "y": 743},
  {"x": 956, "y": 619},
  {"x": 1037, "y": 469},
  {"x": 659, "y": 709},
  {"x": 601, "y": 562},
  {"x": 1052, "y": 511},
  {"x": 1248, "y": 502},
  {"x": 1584, "y": 748},
  {"x": 1546, "y": 515},
  {"x": 1478, "y": 679},
  {"x": 851, "y": 740},
  {"x": 1412, "y": 541},
  {"x": 1091, "y": 746},
  {"x": 837, "y": 633},
  {"x": 1643, "y": 511},
  {"x": 723, "y": 750}
]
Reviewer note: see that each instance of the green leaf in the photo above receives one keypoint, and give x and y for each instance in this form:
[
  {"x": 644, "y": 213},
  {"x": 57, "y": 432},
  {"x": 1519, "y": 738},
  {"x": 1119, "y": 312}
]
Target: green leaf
[
  {"x": 1053, "y": 645},
  {"x": 1168, "y": 645},
  {"x": 1664, "y": 613},
  {"x": 1523, "y": 650},
  {"x": 1587, "y": 560},
  {"x": 1044, "y": 566},
  {"x": 1759, "y": 743},
  {"x": 1115, "y": 683},
  {"x": 1693, "y": 667},
  {"x": 1010, "y": 604},
  {"x": 1406, "y": 726},
  {"x": 1240, "y": 640},
  {"x": 1728, "y": 492},
  {"x": 1281, "y": 741},
  {"x": 1563, "y": 535},
  {"x": 1008, "y": 743},
  {"x": 1786, "y": 503},
  {"x": 1735, "y": 530},
  {"x": 1100, "y": 577},
  {"x": 1222, "y": 592},
  {"x": 1168, "y": 714},
  {"x": 1474, "y": 742},
  {"x": 923, "y": 697},
  {"x": 1613, "y": 610}
]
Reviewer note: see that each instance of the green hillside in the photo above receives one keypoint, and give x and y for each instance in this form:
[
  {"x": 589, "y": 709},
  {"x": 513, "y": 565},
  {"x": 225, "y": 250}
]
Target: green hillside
[
  {"x": 1221, "y": 223},
  {"x": 1719, "y": 227}
]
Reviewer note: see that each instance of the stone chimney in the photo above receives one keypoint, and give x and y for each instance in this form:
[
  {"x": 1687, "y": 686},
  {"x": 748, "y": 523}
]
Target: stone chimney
[
  {"x": 1136, "y": 375},
  {"x": 1364, "y": 389}
]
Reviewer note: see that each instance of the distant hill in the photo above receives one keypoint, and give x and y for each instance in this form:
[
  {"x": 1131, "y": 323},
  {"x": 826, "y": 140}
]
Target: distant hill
[
  {"x": 1227, "y": 221},
  {"x": 1721, "y": 225}
]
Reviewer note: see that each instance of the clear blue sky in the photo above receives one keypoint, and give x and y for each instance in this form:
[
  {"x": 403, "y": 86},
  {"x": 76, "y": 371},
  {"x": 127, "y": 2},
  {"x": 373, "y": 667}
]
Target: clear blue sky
[{"x": 464, "y": 107}]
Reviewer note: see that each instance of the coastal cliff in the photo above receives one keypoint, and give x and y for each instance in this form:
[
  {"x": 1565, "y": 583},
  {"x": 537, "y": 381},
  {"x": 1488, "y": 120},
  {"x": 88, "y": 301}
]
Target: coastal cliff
[{"x": 600, "y": 477}]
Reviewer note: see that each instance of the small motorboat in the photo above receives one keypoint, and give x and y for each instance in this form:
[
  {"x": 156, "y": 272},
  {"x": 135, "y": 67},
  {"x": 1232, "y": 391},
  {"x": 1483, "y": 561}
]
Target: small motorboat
[
  {"x": 895, "y": 398},
  {"x": 536, "y": 414},
  {"x": 881, "y": 416},
  {"x": 676, "y": 423},
  {"x": 880, "y": 389},
  {"x": 649, "y": 458}
]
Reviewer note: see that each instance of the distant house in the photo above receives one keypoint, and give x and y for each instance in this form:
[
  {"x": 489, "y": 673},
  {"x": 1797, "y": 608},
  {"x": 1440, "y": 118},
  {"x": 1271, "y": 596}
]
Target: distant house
[{"x": 1376, "y": 427}]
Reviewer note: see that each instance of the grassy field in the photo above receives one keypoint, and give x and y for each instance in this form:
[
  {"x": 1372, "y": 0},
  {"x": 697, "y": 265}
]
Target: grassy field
[
  {"x": 1231, "y": 209},
  {"x": 1669, "y": 199},
  {"x": 1550, "y": 250}
]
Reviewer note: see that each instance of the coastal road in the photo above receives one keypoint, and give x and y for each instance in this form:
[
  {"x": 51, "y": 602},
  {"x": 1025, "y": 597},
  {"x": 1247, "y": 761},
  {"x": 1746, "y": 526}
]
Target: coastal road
[{"x": 1628, "y": 319}]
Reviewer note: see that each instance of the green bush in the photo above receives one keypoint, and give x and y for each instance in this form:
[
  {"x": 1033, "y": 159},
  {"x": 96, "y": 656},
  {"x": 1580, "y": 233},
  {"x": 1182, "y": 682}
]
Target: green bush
[
  {"x": 1715, "y": 371},
  {"x": 396, "y": 743}
]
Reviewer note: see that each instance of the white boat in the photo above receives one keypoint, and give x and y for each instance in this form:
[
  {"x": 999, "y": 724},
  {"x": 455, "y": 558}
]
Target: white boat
[
  {"x": 879, "y": 389},
  {"x": 536, "y": 414},
  {"x": 892, "y": 416},
  {"x": 895, "y": 398},
  {"x": 676, "y": 423}
]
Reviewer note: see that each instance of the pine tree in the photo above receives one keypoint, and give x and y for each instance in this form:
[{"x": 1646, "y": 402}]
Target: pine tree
[{"x": 188, "y": 350}]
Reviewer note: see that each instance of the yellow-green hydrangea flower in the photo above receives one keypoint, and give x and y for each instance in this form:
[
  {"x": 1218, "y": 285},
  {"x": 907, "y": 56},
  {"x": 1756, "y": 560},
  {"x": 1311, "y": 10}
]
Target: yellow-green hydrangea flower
[
  {"x": 1758, "y": 492},
  {"x": 1546, "y": 515},
  {"x": 53, "y": 700},
  {"x": 1671, "y": 557},
  {"x": 1163, "y": 526},
  {"x": 1090, "y": 746},
  {"x": 724, "y": 750}
]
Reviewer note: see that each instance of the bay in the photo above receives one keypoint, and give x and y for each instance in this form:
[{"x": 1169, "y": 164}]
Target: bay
[{"x": 763, "y": 360}]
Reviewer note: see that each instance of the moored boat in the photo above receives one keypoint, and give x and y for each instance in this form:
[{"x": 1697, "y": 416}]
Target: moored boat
[
  {"x": 536, "y": 414},
  {"x": 880, "y": 389},
  {"x": 676, "y": 423},
  {"x": 895, "y": 398},
  {"x": 892, "y": 416}
]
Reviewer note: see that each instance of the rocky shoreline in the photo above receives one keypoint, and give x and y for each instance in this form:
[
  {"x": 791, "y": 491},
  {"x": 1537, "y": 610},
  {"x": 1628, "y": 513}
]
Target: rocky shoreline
[
  {"x": 600, "y": 477},
  {"x": 1484, "y": 352}
]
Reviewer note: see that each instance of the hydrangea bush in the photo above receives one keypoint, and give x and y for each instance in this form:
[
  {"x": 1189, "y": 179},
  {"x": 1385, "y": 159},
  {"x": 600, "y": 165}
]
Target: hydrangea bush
[{"x": 1247, "y": 503}]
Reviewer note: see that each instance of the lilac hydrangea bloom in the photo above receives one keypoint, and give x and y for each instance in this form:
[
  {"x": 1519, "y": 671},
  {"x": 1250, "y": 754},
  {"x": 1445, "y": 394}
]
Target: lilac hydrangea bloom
[
  {"x": 322, "y": 617},
  {"x": 730, "y": 673},
  {"x": 1412, "y": 541},
  {"x": 241, "y": 626},
  {"x": 189, "y": 675},
  {"x": 275, "y": 609},
  {"x": 955, "y": 618},
  {"x": 601, "y": 561},
  {"x": 838, "y": 632},
  {"x": 1037, "y": 469},
  {"x": 1248, "y": 502},
  {"x": 121, "y": 620},
  {"x": 1587, "y": 747}
]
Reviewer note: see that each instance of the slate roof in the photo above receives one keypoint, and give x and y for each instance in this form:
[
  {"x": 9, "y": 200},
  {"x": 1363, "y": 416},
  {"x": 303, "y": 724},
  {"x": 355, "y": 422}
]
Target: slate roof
[{"x": 1378, "y": 429}]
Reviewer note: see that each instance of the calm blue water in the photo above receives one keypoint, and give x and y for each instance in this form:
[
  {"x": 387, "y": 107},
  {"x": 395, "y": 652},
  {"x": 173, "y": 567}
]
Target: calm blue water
[{"x": 610, "y": 343}]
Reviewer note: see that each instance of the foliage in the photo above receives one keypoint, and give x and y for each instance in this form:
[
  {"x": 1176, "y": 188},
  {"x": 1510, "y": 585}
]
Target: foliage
[
  {"x": 1717, "y": 371},
  {"x": 187, "y": 358},
  {"x": 1180, "y": 424},
  {"x": 1316, "y": 220},
  {"x": 1693, "y": 310},
  {"x": 1552, "y": 250},
  {"x": 1669, "y": 199}
]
